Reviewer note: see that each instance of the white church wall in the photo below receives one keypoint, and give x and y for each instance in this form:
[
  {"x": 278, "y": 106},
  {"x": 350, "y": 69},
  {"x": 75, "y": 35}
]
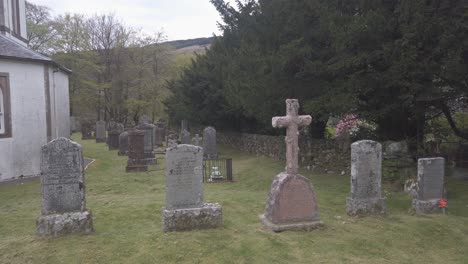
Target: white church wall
[{"x": 20, "y": 155}]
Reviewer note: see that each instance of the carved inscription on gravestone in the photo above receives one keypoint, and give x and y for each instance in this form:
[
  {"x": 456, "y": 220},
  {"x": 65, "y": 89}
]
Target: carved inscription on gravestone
[
  {"x": 184, "y": 186},
  {"x": 62, "y": 177}
]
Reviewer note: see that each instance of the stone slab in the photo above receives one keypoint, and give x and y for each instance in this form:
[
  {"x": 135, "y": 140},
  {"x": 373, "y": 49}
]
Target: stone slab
[
  {"x": 365, "y": 206},
  {"x": 431, "y": 178},
  {"x": 62, "y": 224},
  {"x": 297, "y": 226},
  {"x": 426, "y": 206},
  {"x": 186, "y": 219}
]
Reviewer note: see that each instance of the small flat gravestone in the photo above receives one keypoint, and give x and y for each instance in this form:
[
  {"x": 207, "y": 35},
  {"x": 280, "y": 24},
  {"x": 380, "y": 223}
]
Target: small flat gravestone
[
  {"x": 430, "y": 186},
  {"x": 63, "y": 190},
  {"x": 136, "y": 152},
  {"x": 210, "y": 150},
  {"x": 101, "y": 132},
  {"x": 123, "y": 143},
  {"x": 185, "y": 209},
  {"x": 185, "y": 137},
  {"x": 291, "y": 203},
  {"x": 366, "y": 179}
]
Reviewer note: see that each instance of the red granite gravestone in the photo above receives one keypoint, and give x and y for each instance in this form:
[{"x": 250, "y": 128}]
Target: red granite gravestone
[
  {"x": 291, "y": 203},
  {"x": 136, "y": 151}
]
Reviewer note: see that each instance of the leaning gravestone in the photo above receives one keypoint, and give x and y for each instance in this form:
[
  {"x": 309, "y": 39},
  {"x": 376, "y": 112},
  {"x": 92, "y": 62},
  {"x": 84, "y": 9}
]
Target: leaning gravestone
[
  {"x": 150, "y": 155},
  {"x": 366, "y": 179},
  {"x": 114, "y": 132},
  {"x": 63, "y": 190},
  {"x": 185, "y": 209},
  {"x": 430, "y": 186},
  {"x": 210, "y": 150},
  {"x": 123, "y": 143},
  {"x": 101, "y": 131},
  {"x": 185, "y": 137},
  {"x": 291, "y": 203},
  {"x": 136, "y": 152}
]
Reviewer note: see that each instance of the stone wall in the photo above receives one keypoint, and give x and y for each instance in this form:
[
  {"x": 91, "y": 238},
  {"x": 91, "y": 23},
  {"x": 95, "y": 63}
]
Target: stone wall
[{"x": 315, "y": 154}]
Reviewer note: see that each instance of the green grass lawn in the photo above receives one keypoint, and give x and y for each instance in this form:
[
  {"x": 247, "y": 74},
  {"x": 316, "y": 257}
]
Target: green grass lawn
[{"x": 127, "y": 219}]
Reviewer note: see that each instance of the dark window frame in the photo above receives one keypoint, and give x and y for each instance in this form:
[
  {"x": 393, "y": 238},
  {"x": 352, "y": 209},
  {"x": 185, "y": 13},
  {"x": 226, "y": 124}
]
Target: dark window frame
[
  {"x": 15, "y": 11},
  {"x": 6, "y": 105}
]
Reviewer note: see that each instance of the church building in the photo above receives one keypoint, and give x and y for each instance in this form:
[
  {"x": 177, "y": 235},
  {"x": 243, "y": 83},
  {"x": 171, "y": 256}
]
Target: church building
[{"x": 34, "y": 97}]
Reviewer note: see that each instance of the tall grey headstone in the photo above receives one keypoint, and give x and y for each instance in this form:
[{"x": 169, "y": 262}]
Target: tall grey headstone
[
  {"x": 123, "y": 143},
  {"x": 185, "y": 209},
  {"x": 185, "y": 137},
  {"x": 210, "y": 150},
  {"x": 63, "y": 190},
  {"x": 159, "y": 134},
  {"x": 101, "y": 132},
  {"x": 430, "y": 186},
  {"x": 184, "y": 125},
  {"x": 366, "y": 179},
  {"x": 149, "y": 145}
]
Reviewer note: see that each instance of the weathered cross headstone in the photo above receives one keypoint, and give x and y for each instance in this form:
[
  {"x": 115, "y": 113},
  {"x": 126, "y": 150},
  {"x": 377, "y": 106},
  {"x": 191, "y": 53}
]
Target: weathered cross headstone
[
  {"x": 185, "y": 137},
  {"x": 101, "y": 132},
  {"x": 366, "y": 179},
  {"x": 63, "y": 190},
  {"x": 430, "y": 186},
  {"x": 114, "y": 132},
  {"x": 185, "y": 209},
  {"x": 291, "y": 203},
  {"x": 150, "y": 155},
  {"x": 123, "y": 143},
  {"x": 197, "y": 140},
  {"x": 136, "y": 151},
  {"x": 86, "y": 129},
  {"x": 210, "y": 150}
]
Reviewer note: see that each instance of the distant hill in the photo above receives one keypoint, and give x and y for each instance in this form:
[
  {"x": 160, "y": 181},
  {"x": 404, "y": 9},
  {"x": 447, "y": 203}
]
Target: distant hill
[{"x": 180, "y": 44}]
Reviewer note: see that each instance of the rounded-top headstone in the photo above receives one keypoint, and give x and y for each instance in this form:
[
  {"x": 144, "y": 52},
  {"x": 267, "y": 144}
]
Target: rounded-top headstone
[
  {"x": 209, "y": 143},
  {"x": 366, "y": 169}
]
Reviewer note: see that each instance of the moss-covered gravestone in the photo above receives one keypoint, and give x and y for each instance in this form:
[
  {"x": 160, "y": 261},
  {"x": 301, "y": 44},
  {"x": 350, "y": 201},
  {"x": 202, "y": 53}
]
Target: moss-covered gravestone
[
  {"x": 63, "y": 190},
  {"x": 185, "y": 209},
  {"x": 366, "y": 179}
]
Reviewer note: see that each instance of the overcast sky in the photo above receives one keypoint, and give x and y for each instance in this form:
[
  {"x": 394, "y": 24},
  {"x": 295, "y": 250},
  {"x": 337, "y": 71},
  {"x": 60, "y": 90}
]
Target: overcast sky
[{"x": 178, "y": 19}]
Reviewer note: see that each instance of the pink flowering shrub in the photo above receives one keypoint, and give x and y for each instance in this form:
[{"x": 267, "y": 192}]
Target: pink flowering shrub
[{"x": 346, "y": 126}]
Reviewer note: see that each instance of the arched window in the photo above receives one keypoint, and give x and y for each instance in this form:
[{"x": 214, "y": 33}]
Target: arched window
[{"x": 5, "y": 106}]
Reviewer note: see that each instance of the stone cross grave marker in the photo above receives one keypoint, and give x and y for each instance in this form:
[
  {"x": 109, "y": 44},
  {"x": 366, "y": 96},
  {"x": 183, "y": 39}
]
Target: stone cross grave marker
[
  {"x": 101, "y": 131},
  {"x": 430, "y": 186},
  {"x": 210, "y": 150},
  {"x": 63, "y": 190},
  {"x": 136, "y": 151},
  {"x": 291, "y": 203},
  {"x": 366, "y": 179},
  {"x": 185, "y": 209}
]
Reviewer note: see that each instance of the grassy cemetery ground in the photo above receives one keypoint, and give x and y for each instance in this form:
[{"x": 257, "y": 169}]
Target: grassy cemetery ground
[{"x": 127, "y": 219}]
